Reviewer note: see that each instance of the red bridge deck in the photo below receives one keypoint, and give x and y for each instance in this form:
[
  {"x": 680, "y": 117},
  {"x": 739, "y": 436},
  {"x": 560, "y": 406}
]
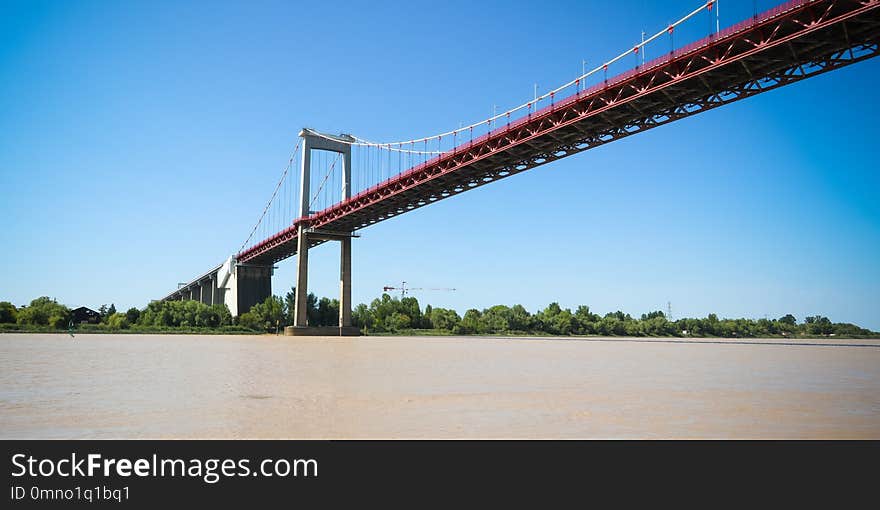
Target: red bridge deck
[{"x": 791, "y": 42}]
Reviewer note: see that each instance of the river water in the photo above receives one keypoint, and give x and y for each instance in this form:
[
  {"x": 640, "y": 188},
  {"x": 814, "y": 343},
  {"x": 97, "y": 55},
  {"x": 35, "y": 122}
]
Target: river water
[{"x": 181, "y": 386}]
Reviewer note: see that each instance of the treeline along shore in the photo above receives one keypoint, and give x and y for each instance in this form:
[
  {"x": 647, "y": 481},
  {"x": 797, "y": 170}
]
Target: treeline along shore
[{"x": 390, "y": 315}]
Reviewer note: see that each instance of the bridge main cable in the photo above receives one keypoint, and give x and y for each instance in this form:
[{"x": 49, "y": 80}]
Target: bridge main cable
[
  {"x": 398, "y": 145},
  {"x": 274, "y": 194}
]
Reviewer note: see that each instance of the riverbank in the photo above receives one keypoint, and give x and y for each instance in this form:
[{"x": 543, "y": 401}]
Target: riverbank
[
  {"x": 420, "y": 333},
  {"x": 103, "y": 329},
  {"x": 523, "y": 334},
  {"x": 263, "y": 386}
]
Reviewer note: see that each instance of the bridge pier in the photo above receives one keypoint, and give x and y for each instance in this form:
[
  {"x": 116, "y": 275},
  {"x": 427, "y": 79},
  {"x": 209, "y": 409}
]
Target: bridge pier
[
  {"x": 300, "y": 314},
  {"x": 340, "y": 144},
  {"x": 300, "y": 320},
  {"x": 253, "y": 284},
  {"x": 206, "y": 291},
  {"x": 345, "y": 283}
]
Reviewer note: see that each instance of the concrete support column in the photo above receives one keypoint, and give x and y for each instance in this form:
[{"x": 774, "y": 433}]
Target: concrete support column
[
  {"x": 223, "y": 299},
  {"x": 346, "y": 173},
  {"x": 345, "y": 283},
  {"x": 345, "y": 250},
  {"x": 206, "y": 291},
  {"x": 300, "y": 314},
  {"x": 305, "y": 176}
]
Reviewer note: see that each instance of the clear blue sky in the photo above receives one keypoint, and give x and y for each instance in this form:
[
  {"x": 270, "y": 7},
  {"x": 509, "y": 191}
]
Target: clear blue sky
[{"x": 139, "y": 142}]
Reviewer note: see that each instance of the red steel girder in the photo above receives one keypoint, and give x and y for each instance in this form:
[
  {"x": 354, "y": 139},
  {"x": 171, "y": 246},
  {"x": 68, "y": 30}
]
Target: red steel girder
[{"x": 791, "y": 42}]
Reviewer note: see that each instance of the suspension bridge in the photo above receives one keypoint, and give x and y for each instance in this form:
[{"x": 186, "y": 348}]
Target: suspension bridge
[{"x": 347, "y": 183}]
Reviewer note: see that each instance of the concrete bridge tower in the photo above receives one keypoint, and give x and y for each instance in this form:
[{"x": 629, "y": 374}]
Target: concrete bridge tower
[
  {"x": 241, "y": 285},
  {"x": 341, "y": 144}
]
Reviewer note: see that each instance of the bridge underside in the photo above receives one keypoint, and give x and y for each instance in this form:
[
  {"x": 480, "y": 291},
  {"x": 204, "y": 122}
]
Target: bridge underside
[{"x": 744, "y": 60}]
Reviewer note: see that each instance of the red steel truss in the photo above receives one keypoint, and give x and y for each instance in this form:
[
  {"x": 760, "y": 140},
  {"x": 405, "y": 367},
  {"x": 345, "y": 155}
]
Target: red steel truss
[{"x": 791, "y": 42}]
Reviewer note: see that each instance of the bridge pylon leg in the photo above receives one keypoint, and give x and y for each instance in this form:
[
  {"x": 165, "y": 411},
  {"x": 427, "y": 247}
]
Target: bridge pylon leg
[
  {"x": 300, "y": 314},
  {"x": 345, "y": 283}
]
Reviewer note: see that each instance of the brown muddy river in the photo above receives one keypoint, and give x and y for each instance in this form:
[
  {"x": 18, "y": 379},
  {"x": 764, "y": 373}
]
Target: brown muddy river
[{"x": 169, "y": 386}]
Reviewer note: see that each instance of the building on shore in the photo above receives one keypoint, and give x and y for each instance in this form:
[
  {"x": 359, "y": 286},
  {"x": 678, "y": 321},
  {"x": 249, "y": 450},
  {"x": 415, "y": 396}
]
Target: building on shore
[{"x": 83, "y": 315}]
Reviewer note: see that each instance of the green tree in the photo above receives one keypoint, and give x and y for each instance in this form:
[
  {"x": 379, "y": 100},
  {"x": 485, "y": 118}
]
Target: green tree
[
  {"x": 619, "y": 316},
  {"x": 44, "y": 311},
  {"x": 265, "y": 316},
  {"x": 398, "y": 321},
  {"x": 496, "y": 319},
  {"x": 362, "y": 317},
  {"x": 766, "y": 327},
  {"x": 222, "y": 315},
  {"x": 180, "y": 314},
  {"x": 788, "y": 319},
  {"x": 442, "y": 318},
  {"x": 562, "y": 323},
  {"x": 520, "y": 319},
  {"x": 426, "y": 318},
  {"x": 818, "y": 325},
  {"x": 585, "y": 321},
  {"x": 59, "y": 319},
  {"x": 132, "y": 315},
  {"x": 251, "y": 320},
  {"x": 611, "y": 325},
  {"x": 657, "y": 326},
  {"x": 471, "y": 322},
  {"x": 327, "y": 313},
  {"x": 312, "y": 315},
  {"x": 381, "y": 309},
  {"x": 634, "y": 328},
  {"x": 118, "y": 321},
  {"x": 8, "y": 312},
  {"x": 409, "y": 306}
]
